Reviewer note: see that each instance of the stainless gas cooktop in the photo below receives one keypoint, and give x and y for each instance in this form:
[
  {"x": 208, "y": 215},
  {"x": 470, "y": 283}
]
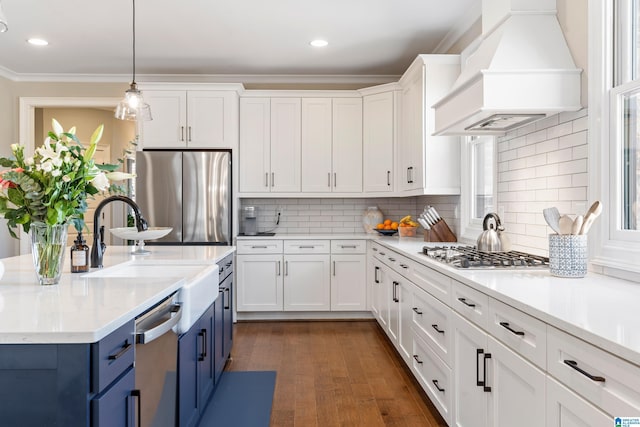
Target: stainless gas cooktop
[{"x": 470, "y": 258}]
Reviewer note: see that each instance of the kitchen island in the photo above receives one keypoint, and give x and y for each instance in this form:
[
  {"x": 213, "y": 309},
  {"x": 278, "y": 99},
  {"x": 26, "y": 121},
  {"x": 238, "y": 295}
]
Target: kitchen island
[{"x": 66, "y": 351}]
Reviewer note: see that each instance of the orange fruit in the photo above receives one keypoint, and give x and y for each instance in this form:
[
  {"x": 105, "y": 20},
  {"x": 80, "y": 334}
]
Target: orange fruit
[
  {"x": 380, "y": 226},
  {"x": 394, "y": 225},
  {"x": 402, "y": 224},
  {"x": 387, "y": 227},
  {"x": 387, "y": 222}
]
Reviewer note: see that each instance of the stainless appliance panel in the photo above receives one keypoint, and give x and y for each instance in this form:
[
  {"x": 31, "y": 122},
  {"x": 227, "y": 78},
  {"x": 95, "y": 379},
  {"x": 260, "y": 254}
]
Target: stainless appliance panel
[
  {"x": 159, "y": 191},
  {"x": 206, "y": 197}
]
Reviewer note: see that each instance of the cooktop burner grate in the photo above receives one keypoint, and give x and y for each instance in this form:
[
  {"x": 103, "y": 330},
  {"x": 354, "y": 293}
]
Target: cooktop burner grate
[{"x": 471, "y": 258}]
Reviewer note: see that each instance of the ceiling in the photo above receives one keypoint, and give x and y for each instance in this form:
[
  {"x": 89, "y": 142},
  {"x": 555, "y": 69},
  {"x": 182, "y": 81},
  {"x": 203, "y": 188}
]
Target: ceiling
[{"x": 215, "y": 37}]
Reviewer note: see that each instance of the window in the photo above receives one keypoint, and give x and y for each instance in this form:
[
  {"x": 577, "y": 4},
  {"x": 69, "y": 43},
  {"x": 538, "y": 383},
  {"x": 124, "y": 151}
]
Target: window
[
  {"x": 478, "y": 183},
  {"x": 614, "y": 96}
]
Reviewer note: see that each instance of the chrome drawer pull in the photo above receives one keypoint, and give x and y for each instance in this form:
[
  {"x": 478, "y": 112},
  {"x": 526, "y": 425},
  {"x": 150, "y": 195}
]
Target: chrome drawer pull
[
  {"x": 415, "y": 356},
  {"x": 435, "y": 383},
  {"x": 258, "y": 247},
  {"x": 126, "y": 347},
  {"x": 573, "y": 364},
  {"x": 440, "y": 331},
  {"x": 395, "y": 287},
  {"x": 350, "y": 247},
  {"x": 306, "y": 247},
  {"x": 417, "y": 310},
  {"x": 508, "y": 328}
]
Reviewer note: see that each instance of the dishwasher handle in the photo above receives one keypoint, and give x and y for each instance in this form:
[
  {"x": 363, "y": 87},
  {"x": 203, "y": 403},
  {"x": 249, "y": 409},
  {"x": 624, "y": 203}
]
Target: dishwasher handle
[{"x": 149, "y": 329}]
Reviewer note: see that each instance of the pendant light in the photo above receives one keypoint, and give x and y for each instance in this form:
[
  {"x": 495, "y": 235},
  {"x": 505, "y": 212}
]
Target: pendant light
[
  {"x": 133, "y": 107},
  {"x": 3, "y": 21}
]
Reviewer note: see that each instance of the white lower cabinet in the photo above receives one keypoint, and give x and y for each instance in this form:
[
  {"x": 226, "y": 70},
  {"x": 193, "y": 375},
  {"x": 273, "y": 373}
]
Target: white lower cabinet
[
  {"x": 380, "y": 297},
  {"x": 348, "y": 282},
  {"x": 301, "y": 275},
  {"x": 259, "y": 283},
  {"x": 567, "y": 409},
  {"x": 434, "y": 375},
  {"x": 306, "y": 283},
  {"x": 494, "y": 386}
]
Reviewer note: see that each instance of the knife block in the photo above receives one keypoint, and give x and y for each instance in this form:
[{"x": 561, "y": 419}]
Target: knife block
[{"x": 440, "y": 232}]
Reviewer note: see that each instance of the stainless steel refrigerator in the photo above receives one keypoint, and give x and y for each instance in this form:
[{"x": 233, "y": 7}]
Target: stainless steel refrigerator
[{"x": 187, "y": 190}]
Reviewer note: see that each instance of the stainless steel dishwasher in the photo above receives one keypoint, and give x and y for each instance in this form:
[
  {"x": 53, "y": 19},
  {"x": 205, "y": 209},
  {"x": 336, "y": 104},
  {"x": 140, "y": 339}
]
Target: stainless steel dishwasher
[{"x": 156, "y": 364}]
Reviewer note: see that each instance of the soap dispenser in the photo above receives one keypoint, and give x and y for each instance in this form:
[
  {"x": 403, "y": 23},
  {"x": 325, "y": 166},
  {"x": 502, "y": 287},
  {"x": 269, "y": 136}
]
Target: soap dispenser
[{"x": 79, "y": 255}]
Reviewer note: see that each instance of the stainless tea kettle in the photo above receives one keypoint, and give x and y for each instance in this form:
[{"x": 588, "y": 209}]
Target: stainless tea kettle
[{"x": 492, "y": 239}]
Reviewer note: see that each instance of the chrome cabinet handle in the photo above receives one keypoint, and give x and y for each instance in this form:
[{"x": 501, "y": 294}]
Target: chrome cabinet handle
[
  {"x": 286, "y": 268},
  {"x": 266, "y": 179},
  {"x": 278, "y": 270},
  {"x": 335, "y": 179},
  {"x": 258, "y": 247},
  {"x": 388, "y": 178},
  {"x": 126, "y": 347},
  {"x": 574, "y": 365},
  {"x": 508, "y": 328},
  {"x": 411, "y": 175},
  {"x": 189, "y": 137},
  {"x": 350, "y": 247},
  {"x": 181, "y": 133},
  {"x": 306, "y": 247},
  {"x": 334, "y": 268},
  {"x": 328, "y": 179},
  {"x": 395, "y": 292},
  {"x": 273, "y": 179}
]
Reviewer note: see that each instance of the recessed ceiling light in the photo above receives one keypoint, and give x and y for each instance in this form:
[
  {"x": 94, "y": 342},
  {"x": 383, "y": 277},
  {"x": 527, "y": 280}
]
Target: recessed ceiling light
[
  {"x": 38, "y": 42},
  {"x": 319, "y": 43}
]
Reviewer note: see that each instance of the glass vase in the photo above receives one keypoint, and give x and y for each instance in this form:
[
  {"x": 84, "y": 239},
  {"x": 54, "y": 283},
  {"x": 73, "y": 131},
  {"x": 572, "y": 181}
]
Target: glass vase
[{"x": 48, "y": 244}]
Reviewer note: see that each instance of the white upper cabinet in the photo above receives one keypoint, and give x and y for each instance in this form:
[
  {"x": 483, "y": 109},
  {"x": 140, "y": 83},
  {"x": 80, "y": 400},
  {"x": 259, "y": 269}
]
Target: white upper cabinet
[
  {"x": 427, "y": 164},
  {"x": 378, "y": 142},
  {"x": 255, "y": 144},
  {"x": 269, "y": 145},
  {"x": 316, "y": 145},
  {"x": 190, "y": 118},
  {"x": 285, "y": 144},
  {"x": 347, "y": 145},
  {"x": 331, "y": 145}
]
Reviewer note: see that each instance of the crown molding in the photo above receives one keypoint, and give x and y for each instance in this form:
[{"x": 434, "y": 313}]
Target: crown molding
[
  {"x": 200, "y": 78},
  {"x": 462, "y": 26}
]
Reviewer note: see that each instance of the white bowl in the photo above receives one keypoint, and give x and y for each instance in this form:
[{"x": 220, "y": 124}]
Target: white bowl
[{"x": 132, "y": 233}]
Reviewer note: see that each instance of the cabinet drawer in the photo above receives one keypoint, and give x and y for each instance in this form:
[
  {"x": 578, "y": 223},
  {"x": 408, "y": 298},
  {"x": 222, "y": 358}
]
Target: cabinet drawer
[
  {"x": 265, "y": 246},
  {"x": 348, "y": 246},
  {"x": 307, "y": 246},
  {"x": 432, "y": 320},
  {"x": 613, "y": 385},
  {"x": 111, "y": 356},
  {"x": 470, "y": 303},
  {"x": 434, "y": 376},
  {"x": 519, "y": 331},
  {"x": 437, "y": 284}
]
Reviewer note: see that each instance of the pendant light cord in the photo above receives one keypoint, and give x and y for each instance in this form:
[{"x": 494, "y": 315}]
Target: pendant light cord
[{"x": 134, "y": 42}]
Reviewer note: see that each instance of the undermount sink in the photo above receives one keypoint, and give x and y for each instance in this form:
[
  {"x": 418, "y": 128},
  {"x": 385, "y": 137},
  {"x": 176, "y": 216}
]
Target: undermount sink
[{"x": 196, "y": 295}]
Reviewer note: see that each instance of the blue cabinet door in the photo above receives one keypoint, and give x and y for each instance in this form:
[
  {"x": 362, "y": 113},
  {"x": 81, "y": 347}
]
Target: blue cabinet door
[
  {"x": 206, "y": 356},
  {"x": 115, "y": 407},
  {"x": 188, "y": 404}
]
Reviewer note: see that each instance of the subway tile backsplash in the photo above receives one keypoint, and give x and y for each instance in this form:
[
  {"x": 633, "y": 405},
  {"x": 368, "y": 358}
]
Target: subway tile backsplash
[
  {"x": 340, "y": 215},
  {"x": 541, "y": 165}
]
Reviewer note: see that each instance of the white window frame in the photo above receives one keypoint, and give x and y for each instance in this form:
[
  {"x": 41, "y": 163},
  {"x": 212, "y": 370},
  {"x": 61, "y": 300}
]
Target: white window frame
[
  {"x": 615, "y": 252},
  {"x": 472, "y": 227}
]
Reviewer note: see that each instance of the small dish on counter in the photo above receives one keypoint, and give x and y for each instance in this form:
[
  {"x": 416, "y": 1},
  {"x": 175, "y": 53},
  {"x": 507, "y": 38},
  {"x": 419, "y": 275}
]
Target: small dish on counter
[{"x": 386, "y": 232}]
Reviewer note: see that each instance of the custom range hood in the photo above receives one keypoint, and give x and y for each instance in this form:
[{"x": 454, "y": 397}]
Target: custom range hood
[{"x": 521, "y": 71}]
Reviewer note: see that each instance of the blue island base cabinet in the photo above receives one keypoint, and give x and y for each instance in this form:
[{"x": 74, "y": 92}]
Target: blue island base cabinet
[{"x": 68, "y": 385}]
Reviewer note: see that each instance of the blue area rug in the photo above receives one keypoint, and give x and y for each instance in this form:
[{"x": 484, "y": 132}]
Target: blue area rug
[{"x": 241, "y": 399}]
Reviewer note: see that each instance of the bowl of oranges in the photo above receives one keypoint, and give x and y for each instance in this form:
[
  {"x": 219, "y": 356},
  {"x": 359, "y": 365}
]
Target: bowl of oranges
[{"x": 387, "y": 227}]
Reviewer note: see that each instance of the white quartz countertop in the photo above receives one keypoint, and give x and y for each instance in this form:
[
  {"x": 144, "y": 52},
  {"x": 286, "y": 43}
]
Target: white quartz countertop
[
  {"x": 85, "y": 309},
  {"x": 601, "y": 310}
]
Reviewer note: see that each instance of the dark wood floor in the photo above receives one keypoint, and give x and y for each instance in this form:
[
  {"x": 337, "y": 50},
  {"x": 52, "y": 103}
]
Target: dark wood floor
[{"x": 332, "y": 374}]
